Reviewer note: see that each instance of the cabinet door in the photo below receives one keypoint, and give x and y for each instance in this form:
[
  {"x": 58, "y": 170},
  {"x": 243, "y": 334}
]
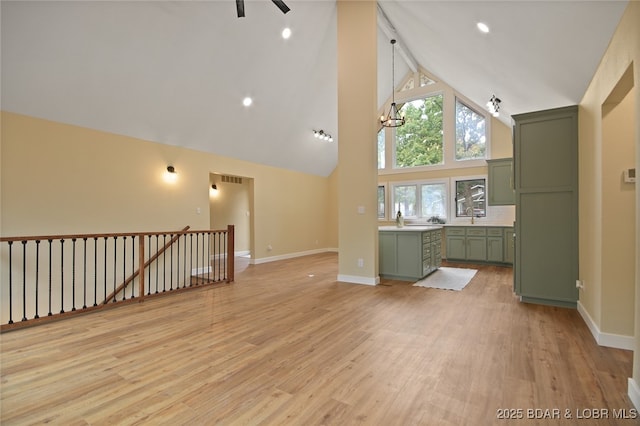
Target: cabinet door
[
  {"x": 409, "y": 254},
  {"x": 476, "y": 248},
  {"x": 508, "y": 246},
  {"x": 500, "y": 187},
  {"x": 387, "y": 253},
  {"x": 456, "y": 247},
  {"x": 494, "y": 249}
]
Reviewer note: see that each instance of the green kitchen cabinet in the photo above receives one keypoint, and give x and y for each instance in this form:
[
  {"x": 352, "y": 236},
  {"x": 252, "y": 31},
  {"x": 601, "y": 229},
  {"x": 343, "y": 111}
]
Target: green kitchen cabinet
[
  {"x": 477, "y": 244},
  {"x": 409, "y": 253},
  {"x": 546, "y": 228},
  {"x": 500, "y": 186}
]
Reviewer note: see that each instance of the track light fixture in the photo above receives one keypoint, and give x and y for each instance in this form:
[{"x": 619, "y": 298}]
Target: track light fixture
[
  {"x": 320, "y": 134},
  {"x": 494, "y": 106},
  {"x": 393, "y": 119}
]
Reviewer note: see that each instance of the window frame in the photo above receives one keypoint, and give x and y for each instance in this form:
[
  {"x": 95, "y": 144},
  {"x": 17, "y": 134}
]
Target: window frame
[
  {"x": 448, "y": 126},
  {"x": 457, "y": 100},
  {"x": 418, "y": 205}
]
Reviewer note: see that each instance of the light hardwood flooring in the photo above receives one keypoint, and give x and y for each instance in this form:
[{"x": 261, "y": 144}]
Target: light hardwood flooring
[{"x": 288, "y": 345}]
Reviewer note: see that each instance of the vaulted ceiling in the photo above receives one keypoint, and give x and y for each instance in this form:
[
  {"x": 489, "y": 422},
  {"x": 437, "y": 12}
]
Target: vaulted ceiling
[{"x": 177, "y": 72}]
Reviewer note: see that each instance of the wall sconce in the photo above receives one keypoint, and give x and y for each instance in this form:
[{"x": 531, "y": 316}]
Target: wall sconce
[
  {"x": 320, "y": 134},
  {"x": 170, "y": 176},
  {"x": 494, "y": 106},
  {"x": 213, "y": 191}
]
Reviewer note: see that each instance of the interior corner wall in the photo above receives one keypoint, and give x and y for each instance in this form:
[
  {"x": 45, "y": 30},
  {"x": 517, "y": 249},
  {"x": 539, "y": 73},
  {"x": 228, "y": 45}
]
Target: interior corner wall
[
  {"x": 623, "y": 52},
  {"x": 64, "y": 179}
]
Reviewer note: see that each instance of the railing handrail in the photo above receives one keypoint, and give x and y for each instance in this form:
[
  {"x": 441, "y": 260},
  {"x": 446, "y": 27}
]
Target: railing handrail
[{"x": 104, "y": 235}]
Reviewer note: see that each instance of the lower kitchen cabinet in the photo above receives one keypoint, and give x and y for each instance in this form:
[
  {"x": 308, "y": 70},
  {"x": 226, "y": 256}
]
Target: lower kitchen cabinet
[{"x": 478, "y": 244}]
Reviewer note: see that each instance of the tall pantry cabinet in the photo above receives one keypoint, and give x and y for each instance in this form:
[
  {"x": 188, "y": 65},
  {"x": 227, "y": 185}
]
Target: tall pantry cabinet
[{"x": 546, "y": 185}]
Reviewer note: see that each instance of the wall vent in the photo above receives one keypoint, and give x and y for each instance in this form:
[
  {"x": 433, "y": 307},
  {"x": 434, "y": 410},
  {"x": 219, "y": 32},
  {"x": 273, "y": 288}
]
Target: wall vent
[{"x": 232, "y": 179}]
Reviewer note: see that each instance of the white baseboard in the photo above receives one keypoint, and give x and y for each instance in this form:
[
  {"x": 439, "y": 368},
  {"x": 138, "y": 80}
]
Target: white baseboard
[
  {"x": 287, "y": 256},
  {"x": 356, "y": 279},
  {"x": 201, "y": 271},
  {"x": 634, "y": 393},
  {"x": 610, "y": 340}
]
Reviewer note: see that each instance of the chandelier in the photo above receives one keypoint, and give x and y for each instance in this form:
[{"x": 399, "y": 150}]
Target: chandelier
[{"x": 393, "y": 119}]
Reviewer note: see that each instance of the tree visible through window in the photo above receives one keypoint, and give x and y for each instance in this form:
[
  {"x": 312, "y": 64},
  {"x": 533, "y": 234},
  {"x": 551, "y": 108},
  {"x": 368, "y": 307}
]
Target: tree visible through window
[
  {"x": 470, "y": 133},
  {"x": 419, "y": 142}
]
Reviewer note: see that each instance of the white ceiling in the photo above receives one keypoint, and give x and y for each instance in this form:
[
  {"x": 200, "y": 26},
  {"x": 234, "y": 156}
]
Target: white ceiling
[{"x": 176, "y": 72}]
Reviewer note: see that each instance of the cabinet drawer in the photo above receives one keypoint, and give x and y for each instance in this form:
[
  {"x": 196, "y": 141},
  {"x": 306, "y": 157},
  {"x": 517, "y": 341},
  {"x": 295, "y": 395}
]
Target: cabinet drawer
[
  {"x": 455, "y": 231},
  {"x": 494, "y": 232},
  {"x": 426, "y": 237},
  {"x": 476, "y": 232}
]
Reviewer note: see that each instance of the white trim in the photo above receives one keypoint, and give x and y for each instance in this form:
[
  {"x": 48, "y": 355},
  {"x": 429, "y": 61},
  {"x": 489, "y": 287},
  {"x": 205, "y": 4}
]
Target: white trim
[
  {"x": 610, "y": 340},
  {"x": 356, "y": 279},
  {"x": 633, "y": 392},
  {"x": 288, "y": 256},
  {"x": 200, "y": 271}
]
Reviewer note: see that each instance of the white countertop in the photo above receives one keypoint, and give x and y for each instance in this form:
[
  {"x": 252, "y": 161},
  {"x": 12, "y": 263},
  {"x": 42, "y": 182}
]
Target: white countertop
[{"x": 410, "y": 228}]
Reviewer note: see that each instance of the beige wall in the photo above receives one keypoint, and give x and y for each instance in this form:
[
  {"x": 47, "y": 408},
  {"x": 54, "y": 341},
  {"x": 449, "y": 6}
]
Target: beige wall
[
  {"x": 59, "y": 179},
  {"x": 600, "y": 298}
]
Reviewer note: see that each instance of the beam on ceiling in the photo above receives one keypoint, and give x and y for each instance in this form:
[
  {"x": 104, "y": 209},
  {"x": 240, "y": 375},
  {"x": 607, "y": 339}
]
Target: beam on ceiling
[{"x": 389, "y": 30}]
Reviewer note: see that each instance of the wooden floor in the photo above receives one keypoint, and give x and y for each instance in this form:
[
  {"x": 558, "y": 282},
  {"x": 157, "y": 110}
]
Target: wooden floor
[{"x": 288, "y": 345}]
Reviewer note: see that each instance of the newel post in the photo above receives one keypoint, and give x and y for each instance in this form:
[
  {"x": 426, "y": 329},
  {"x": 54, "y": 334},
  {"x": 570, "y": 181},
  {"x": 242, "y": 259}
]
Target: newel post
[{"x": 230, "y": 252}]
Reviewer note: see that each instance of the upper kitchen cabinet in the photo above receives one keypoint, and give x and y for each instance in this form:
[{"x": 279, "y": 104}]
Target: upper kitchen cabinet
[
  {"x": 500, "y": 188},
  {"x": 546, "y": 189}
]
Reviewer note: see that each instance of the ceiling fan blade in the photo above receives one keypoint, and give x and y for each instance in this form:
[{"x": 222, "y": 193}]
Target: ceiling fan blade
[
  {"x": 283, "y": 7},
  {"x": 240, "y": 8}
]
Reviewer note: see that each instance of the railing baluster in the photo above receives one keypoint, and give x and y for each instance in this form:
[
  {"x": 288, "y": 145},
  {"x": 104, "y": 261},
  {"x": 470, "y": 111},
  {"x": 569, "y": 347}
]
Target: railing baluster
[
  {"x": 115, "y": 265},
  {"x": 84, "y": 273},
  {"x": 37, "y": 276},
  {"x": 184, "y": 264},
  {"x": 95, "y": 271},
  {"x": 50, "y": 276},
  {"x": 164, "y": 264},
  {"x": 62, "y": 276},
  {"x": 133, "y": 264},
  {"x": 191, "y": 259},
  {"x": 124, "y": 266},
  {"x": 149, "y": 269},
  {"x": 73, "y": 276},
  {"x": 171, "y": 268},
  {"x": 105, "y": 269},
  {"x": 24, "y": 280},
  {"x": 157, "y": 242},
  {"x": 10, "y": 283}
]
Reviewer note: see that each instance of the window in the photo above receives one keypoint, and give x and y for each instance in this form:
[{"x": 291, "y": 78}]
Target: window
[
  {"x": 420, "y": 141},
  {"x": 433, "y": 200},
  {"x": 381, "y": 148},
  {"x": 470, "y": 198},
  {"x": 381, "y": 202},
  {"x": 404, "y": 199},
  {"x": 470, "y": 133},
  {"x": 422, "y": 200}
]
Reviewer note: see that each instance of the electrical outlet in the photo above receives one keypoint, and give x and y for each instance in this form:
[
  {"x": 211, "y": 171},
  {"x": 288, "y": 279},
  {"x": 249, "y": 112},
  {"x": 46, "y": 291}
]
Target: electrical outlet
[
  {"x": 580, "y": 284},
  {"x": 360, "y": 263}
]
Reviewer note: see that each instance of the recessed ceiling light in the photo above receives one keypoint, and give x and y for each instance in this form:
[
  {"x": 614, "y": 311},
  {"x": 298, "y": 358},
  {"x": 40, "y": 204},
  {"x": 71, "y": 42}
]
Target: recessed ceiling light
[
  {"x": 247, "y": 101},
  {"x": 286, "y": 33},
  {"x": 483, "y": 27}
]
